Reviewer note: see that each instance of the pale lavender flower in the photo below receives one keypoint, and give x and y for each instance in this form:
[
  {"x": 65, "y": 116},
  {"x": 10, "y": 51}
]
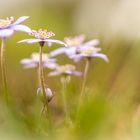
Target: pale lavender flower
[
  {"x": 89, "y": 52},
  {"x": 8, "y": 26},
  {"x": 33, "y": 61},
  {"x": 74, "y": 45},
  {"x": 42, "y": 36},
  {"x": 66, "y": 70},
  {"x": 77, "y": 49}
]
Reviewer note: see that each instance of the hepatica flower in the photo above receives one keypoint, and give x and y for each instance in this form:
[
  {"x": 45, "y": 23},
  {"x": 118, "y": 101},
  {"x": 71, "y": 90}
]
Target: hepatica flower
[
  {"x": 65, "y": 70},
  {"x": 8, "y": 26},
  {"x": 89, "y": 52},
  {"x": 33, "y": 61},
  {"x": 74, "y": 44},
  {"x": 42, "y": 36}
]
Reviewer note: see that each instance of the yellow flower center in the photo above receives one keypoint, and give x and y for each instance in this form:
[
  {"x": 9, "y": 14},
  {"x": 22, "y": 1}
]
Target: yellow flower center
[
  {"x": 42, "y": 34},
  {"x": 90, "y": 50},
  {"x": 6, "y": 23},
  {"x": 65, "y": 68},
  {"x": 74, "y": 41}
]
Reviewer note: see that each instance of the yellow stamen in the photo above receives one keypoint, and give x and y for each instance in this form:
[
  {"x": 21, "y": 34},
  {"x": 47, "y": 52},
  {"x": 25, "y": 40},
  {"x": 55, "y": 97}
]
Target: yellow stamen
[
  {"x": 42, "y": 34},
  {"x": 90, "y": 50},
  {"x": 65, "y": 68},
  {"x": 5, "y": 23},
  {"x": 77, "y": 40}
]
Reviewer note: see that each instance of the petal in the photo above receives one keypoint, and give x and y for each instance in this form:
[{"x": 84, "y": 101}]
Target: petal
[
  {"x": 77, "y": 73},
  {"x": 30, "y": 41},
  {"x": 32, "y": 65},
  {"x": 69, "y": 72},
  {"x": 55, "y": 41},
  {"x": 6, "y": 32},
  {"x": 26, "y": 61},
  {"x": 102, "y": 56},
  {"x": 21, "y": 28},
  {"x": 54, "y": 73},
  {"x": 70, "y": 51},
  {"x": 76, "y": 57},
  {"x": 93, "y": 42},
  {"x": 52, "y": 60},
  {"x": 49, "y": 44},
  {"x": 20, "y": 20},
  {"x": 50, "y": 65},
  {"x": 57, "y": 51}
]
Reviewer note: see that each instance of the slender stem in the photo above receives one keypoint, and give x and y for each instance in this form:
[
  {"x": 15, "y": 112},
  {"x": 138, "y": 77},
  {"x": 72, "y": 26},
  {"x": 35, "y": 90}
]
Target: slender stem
[
  {"x": 41, "y": 77},
  {"x": 83, "y": 86},
  {"x": 3, "y": 69},
  {"x": 64, "y": 88},
  {"x": 85, "y": 78},
  {"x": 42, "y": 84}
]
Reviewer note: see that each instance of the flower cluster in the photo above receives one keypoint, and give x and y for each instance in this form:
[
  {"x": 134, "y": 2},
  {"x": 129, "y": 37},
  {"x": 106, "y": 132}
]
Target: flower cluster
[
  {"x": 74, "y": 47},
  {"x": 77, "y": 49}
]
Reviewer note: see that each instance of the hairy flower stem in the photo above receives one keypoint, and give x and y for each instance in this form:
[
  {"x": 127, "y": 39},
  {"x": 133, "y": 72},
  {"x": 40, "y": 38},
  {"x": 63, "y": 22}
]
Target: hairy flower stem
[
  {"x": 64, "y": 88},
  {"x": 42, "y": 84},
  {"x": 85, "y": 78},
  {"x": 83, "y": 86},
  {"x": 3, "y": 69},
  {"x": 42, "y": 80}
]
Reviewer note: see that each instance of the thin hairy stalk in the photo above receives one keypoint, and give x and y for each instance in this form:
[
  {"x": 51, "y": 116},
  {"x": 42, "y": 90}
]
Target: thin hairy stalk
[
  {"x": 65, "y": 106},
  {"x": 84, "y": 78},
  {"x": 3, "y": 69},
  {"x": 42, "y": 84},
  {"x": 41, "y": 76},
  {"x": 83, "y": 86}
]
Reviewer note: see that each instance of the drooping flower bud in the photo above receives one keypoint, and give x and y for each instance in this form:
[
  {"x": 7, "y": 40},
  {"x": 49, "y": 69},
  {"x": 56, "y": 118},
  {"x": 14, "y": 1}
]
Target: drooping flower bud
[{"x": 49, "y": 94}]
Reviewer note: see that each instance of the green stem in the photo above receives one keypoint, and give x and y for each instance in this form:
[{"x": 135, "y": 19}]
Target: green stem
[
  {"x": 64, "y": 88},
  {"x": 85, "y": 78},
  {"x": 42, "y": 84},
  {"x": 41, "y": 77},
  {"x": 3, "y": 69},
  {"x": 83, "y": 86}
]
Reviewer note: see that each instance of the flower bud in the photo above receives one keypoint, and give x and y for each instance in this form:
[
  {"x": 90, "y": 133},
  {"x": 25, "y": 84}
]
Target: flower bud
[{"x": 49, "y": 94}]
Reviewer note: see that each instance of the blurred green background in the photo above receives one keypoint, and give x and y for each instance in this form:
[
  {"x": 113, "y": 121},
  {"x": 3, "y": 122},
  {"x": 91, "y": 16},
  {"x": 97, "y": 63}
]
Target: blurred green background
[{"x": 111, "y": 107}]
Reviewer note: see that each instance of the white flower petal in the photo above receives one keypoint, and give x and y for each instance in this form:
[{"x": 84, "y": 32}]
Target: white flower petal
[
  {"x": 70, "y": 51},
  {"x": 93, "y": 42},
  {"x": 32, "y": 65},
  {"x": 21, "y": 28},
  {"x": 55, "y": 41},
  {"x": 57, "y": 51},
  {"x": 53, "y": 73},
  {"x": 77, "y": 73},
  {"x": 26, "y": 61},
  {"x": 6, "y": 32},
  {"x": 76, "y": 58},
  {"x": 30, "y": 41},
  {"x": 102, "y": 56},
  {"x": 20, "y": 20},
  {"x": 50, "y": 65},
  {"x": 49, "y": 44}
]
